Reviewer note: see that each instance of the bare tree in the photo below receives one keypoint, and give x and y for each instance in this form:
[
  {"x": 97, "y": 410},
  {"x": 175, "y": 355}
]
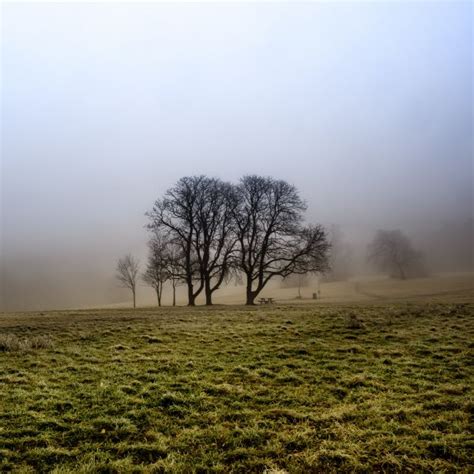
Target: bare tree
[
  {"x": 197, "y": 215},
  {"x": 157, "y": 271},
  {"x": 127, "y": 272},
  {"x": 174, "y": 263},
  {"x": 175, "y": 278},
  {"x": 175, "y": 214},
  {"x": 215, "y": 239},
  {"x": 392, "y": 251},
  {"x": 271, "y": 236}
]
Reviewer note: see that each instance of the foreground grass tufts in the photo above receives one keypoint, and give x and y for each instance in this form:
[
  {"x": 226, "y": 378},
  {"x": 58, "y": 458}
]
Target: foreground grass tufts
[{"x": 13, "y": 343}]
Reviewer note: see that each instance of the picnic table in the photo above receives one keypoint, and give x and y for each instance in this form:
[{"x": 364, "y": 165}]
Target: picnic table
[{"x": 266, "y": 300}]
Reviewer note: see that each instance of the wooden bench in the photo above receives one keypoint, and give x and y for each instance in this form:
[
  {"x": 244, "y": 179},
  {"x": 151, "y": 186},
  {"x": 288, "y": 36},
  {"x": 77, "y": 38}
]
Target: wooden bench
[{"x": 266, "y": 300}]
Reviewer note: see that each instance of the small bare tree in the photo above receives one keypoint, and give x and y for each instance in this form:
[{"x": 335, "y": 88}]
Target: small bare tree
[
  {"x": 174, "y": 257},
  {"x": 392, "y": 251},
  {"x": 157, "y": 271},
  {"x": 127, "y": 273}
]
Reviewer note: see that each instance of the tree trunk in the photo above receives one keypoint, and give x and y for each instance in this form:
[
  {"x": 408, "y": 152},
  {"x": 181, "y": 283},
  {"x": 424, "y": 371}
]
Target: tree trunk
[
  {"x": 174, "y": 294},
  {"x": 158, "y": 296},
  {"x": 251, "y": 295},
  {"x": 191, "y": 296},
  {"x": 134, "y": 299},
  {"x": 208, "y": 292},
  {"x": 250, "y": 298}
]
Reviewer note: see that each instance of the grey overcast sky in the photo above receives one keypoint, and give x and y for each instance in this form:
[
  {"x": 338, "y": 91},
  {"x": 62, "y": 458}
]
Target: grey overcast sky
[{"x": 365, "y": 107}]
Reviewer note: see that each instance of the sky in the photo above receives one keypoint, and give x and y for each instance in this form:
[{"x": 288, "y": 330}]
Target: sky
[{"x": 365, "y": 106}]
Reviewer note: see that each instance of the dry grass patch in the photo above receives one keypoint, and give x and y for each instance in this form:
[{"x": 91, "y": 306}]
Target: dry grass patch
[{"x": 13, "y": 343}]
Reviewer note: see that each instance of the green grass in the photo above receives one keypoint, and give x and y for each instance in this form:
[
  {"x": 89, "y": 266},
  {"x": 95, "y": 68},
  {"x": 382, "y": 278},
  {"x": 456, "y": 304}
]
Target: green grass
[{"x": 232, "y": 389}]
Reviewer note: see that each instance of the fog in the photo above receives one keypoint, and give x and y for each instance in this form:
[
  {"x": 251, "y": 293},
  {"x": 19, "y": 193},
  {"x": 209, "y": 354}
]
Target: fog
[{"x": 365, "y": 107}]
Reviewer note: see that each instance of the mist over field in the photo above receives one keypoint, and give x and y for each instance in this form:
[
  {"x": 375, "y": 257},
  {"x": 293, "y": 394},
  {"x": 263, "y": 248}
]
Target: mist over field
[{"x": 365, "y": 107}]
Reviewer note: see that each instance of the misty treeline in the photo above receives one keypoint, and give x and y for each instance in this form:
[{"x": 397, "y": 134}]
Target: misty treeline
[
  {"x": 390, "y": 252},
  {"x": 205, "y": 231}
]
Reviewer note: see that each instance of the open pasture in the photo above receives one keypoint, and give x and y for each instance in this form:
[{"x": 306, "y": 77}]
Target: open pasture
[{"x": 302, "y": 388}]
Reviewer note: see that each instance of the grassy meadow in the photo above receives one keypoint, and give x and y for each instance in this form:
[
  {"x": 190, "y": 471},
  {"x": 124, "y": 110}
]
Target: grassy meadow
[{"x": 379, "y": 387}]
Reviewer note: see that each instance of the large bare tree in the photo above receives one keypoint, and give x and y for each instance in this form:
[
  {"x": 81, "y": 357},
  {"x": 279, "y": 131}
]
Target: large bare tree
[
  {"x": 197, "y": 216},
  {"x": 215, "y": 239},
  {"x": 127, "y": 274},
  {"x": 175, "y": 214},
  {"x": 271, "y": 236},
  {"x": 392, "y": 251}
]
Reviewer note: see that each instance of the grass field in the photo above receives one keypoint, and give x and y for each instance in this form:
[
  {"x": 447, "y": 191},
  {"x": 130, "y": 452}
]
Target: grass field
[{"x": 283, "y": 388}]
